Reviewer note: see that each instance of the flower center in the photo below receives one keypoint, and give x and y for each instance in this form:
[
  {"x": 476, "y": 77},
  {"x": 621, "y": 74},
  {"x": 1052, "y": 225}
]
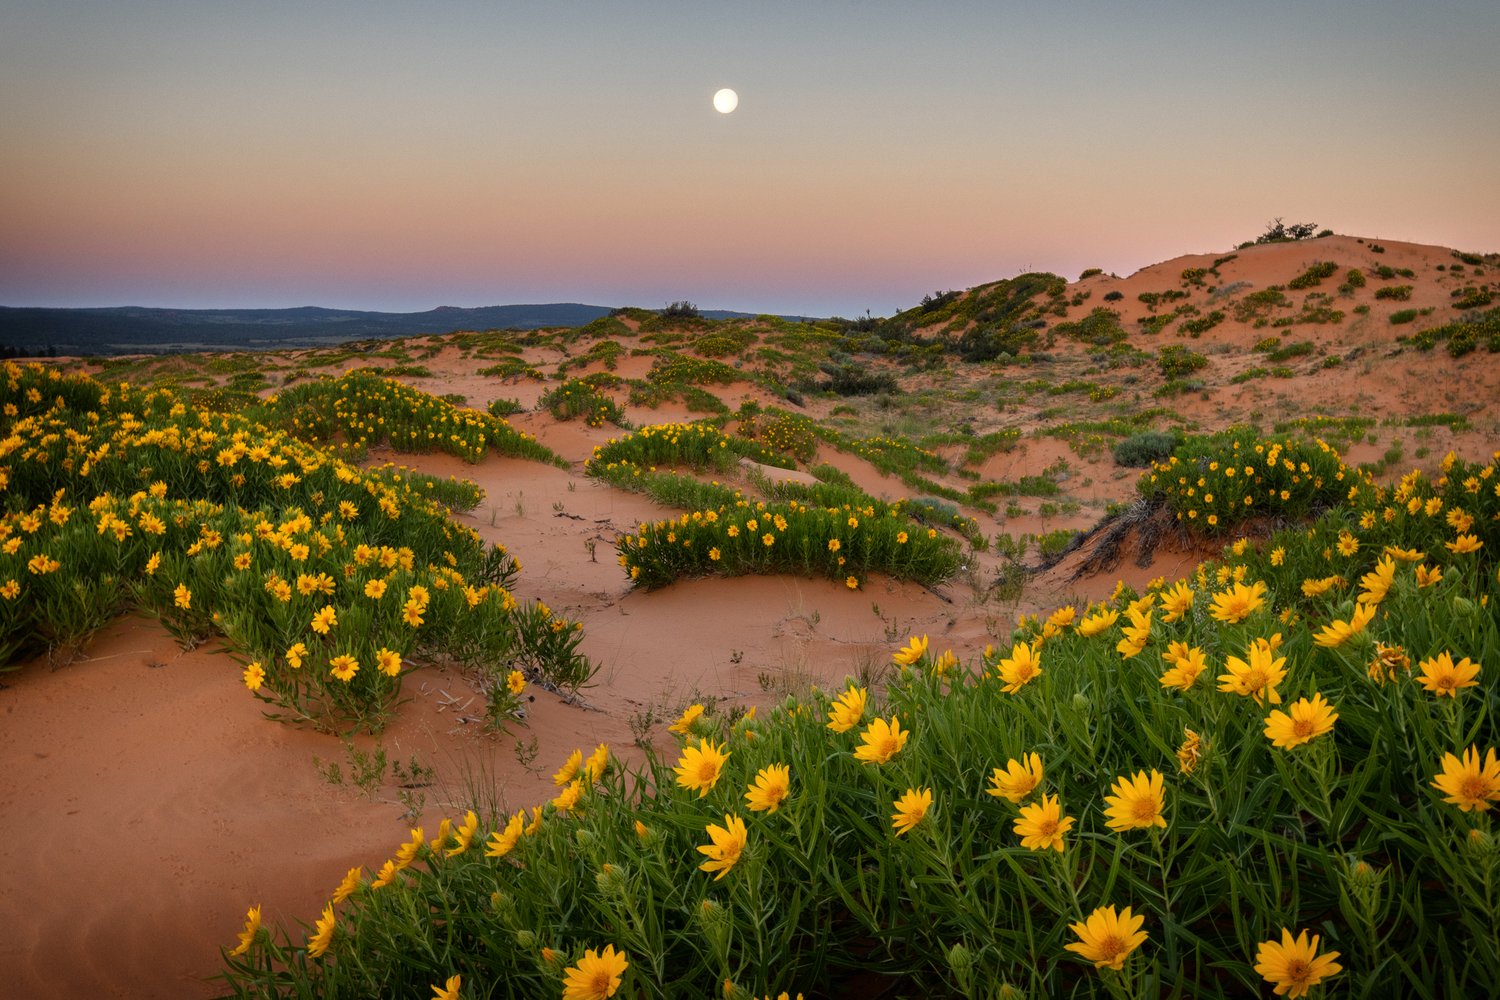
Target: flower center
[
  {"x": 1297, "y": 972},
  {"x": 1143, "y": 810},
  {"x": 1472, "y": 787},
  {"x": 1302, "y": 728},
  {"x": 1109, "y": 946}
]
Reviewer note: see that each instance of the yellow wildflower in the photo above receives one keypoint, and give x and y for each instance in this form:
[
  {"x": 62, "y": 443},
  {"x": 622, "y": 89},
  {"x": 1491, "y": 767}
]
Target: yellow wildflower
[
  {"x": 1137, "y": 802},
  {"x": 1107, "y": 938},
  {"x": 1303, "y": 722},
  {"x": 727, "y": 844},
  {"x": 911, "y": 808},
  {"x": 848, "y": 710},
  {"x": 1042, "y": 825},
  {"x": 1293, "y": 966},
  {"x": 1442, "y": 676},
  {"x": 1469, "y": 783},
  {"x": 699, "y": 767},
  {"x": 770, "y": 789},
  {"x": 881, "y": 741},
  {"x": 1019, "y": 779}
]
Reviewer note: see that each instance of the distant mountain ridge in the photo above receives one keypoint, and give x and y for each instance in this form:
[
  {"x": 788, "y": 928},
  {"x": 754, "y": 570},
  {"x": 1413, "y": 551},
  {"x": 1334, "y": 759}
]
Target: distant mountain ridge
[{"x": 135, "y": 329}]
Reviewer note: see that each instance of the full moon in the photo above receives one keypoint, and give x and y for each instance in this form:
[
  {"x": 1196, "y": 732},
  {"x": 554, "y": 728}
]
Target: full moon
[{"x": 726, "y": 101}]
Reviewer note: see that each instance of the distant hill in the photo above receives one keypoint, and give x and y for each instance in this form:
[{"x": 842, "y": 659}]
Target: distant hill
[
  {"x": 131, "y": 329},
  {"x": 135, "y": 329}
]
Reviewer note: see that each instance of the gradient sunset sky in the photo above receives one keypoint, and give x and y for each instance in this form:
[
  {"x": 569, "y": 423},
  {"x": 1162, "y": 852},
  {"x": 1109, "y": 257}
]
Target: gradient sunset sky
[{"x": 400, "y": 156}]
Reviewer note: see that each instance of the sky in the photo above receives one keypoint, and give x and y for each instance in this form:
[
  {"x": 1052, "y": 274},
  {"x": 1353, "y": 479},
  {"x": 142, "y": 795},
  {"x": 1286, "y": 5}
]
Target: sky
[{"x": 401, "y": 156}]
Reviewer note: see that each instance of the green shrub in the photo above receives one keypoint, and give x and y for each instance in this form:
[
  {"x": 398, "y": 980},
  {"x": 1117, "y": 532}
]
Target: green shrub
[
  {"x": 1176, "y": 361},
  {"x": 1054, "y": 543},
  {"x": 723, "y": 343},
  {"x": 702, "y": 401},
  {"x": 603, "y": 328},
  {"x": 365, "y": 409},
  {"x": 1300, "y": 349},
  {"x": 1207, "y": 480},
  {"x": 847, "y": 377},
  {"x": 1397, "y": 293},
  {"x": 577, "y": 398},
  {"x": 1201, "y": 325},
  {"x": 1100, "y": 327},
  {"x": 512, "y": 368},
  {"x": 698, "y": 446},
  {"x": 1154, "y": 299},
  {"x": 1314, "y": 275},
  {"x": 786, "y": 433},
  {"x": 1463, "y": 340},
  {"x": 842, "y": 543},
  {"x": 1452, "y": 421},
  {"x": 1177, "y": 387},
  {"x": 1401, "y": 316},
  {"x": 1146, "y": 448},
  {"x": 1152, "y": 325},
  {"x": 1250, "y": 374},
  {"x": 1472, "y": 298},
  {"x": 606, "y": 352},
  {"x": 1258, "y": 305}
]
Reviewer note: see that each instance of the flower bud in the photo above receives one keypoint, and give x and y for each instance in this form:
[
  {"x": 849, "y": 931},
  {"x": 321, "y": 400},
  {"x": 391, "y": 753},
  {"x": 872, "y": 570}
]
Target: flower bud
[
  {"x": 961, "y": 963},
  {"x": 1365, "y": 883},
  {"x": 712, "y": 915},
  {"x": 715, "y": 920},
  {"x": 610, "y": 878}
]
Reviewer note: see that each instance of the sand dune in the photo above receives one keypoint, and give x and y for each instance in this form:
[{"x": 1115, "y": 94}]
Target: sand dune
[{"x": 146, "y": 801}]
